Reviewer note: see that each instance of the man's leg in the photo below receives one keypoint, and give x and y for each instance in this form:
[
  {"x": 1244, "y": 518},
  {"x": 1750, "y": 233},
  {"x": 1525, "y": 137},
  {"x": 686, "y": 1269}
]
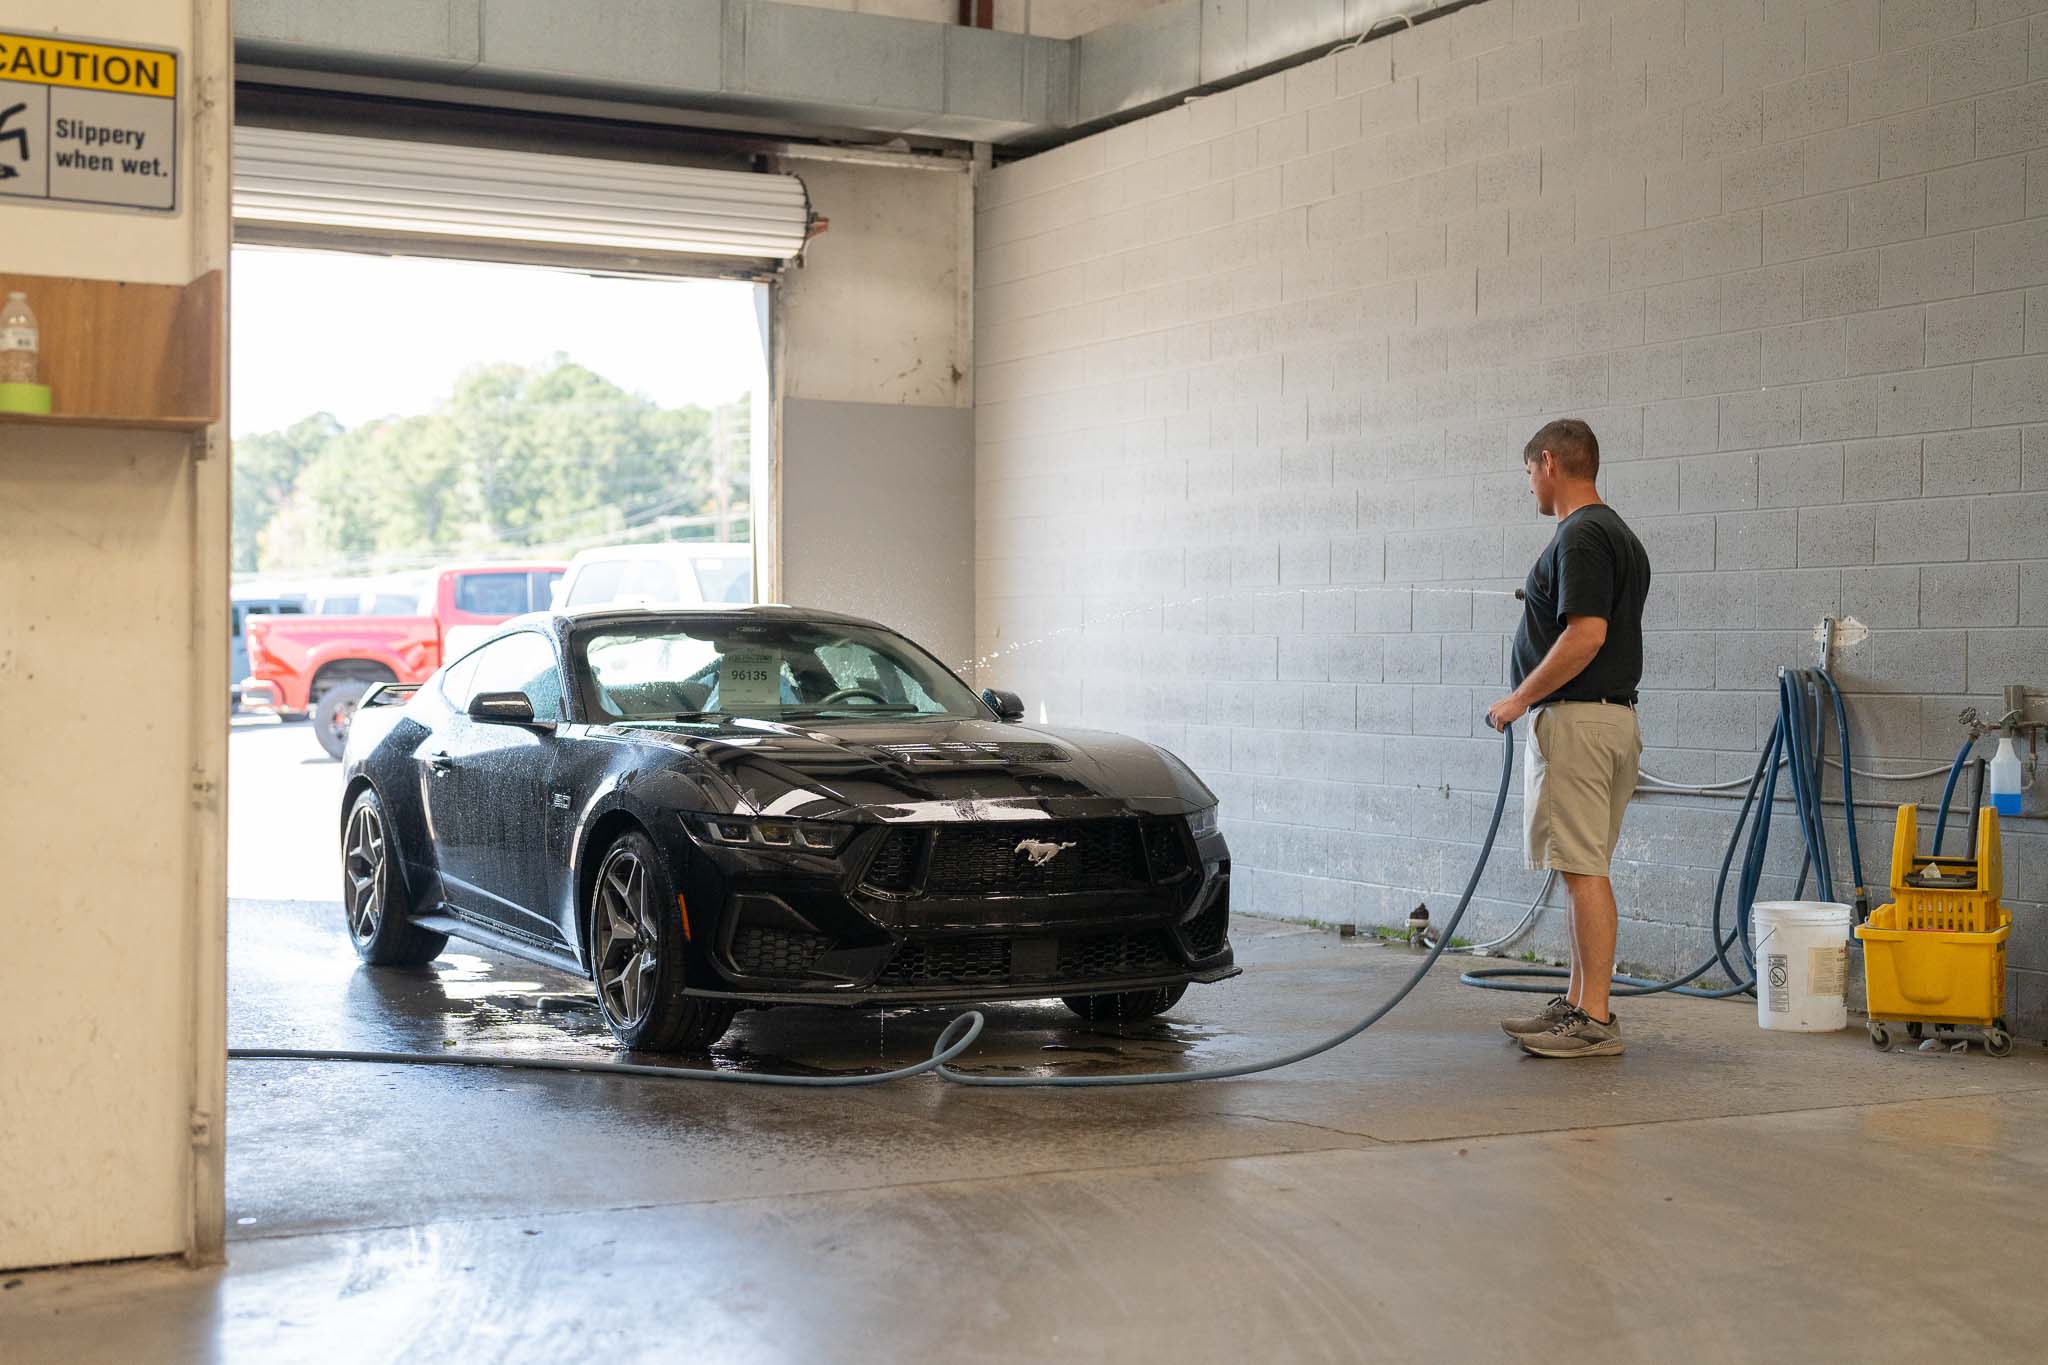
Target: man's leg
[{"x": 1593, "y": 928}]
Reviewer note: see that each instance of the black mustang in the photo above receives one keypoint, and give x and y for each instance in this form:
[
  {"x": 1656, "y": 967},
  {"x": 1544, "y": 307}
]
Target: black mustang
[{"x": 715, "y": 809}]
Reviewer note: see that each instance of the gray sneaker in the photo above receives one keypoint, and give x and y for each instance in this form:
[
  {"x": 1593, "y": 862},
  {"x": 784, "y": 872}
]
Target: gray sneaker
[
  {"x": 1577, "y": 1035},
  {"x": 1530, "y": 1024}
]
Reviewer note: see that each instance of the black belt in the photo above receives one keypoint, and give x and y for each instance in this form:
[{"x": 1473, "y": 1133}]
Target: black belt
[{"x": 1625, "y": 699}]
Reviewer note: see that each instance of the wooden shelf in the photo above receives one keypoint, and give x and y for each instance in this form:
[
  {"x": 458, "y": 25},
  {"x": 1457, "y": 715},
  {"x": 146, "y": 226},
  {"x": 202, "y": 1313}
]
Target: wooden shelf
[
  {"x": 85, "y": 422},
  {"x": 118, "y": 355}
]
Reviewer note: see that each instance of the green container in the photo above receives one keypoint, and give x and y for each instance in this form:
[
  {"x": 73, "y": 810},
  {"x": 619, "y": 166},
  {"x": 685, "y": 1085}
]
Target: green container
[{"x": 24, "y": 397}]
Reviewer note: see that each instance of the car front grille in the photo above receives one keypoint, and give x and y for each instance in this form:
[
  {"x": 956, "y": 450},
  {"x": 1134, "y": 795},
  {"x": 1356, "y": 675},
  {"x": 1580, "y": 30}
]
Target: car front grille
[
  {"x": 950, "y": 962},
  {"x": 761, "y": 951},
  {"x": 1109, "y": 956},
  {"x": 998, "y": 859},
  {"x": 893, "y": 869},
  {"x": 988, "y": 961},
  {"x": 1206, "y": 932},
  {"x": 1166, "y": 849}
]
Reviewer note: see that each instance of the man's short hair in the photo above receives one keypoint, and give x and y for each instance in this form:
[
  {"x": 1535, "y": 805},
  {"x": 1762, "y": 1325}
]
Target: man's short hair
[{"x": 1571, "y": 442}]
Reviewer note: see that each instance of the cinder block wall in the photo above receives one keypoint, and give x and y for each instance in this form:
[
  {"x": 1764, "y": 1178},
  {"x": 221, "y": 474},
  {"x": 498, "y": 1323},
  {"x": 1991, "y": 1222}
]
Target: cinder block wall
[{"x": 1253, "y": 377}]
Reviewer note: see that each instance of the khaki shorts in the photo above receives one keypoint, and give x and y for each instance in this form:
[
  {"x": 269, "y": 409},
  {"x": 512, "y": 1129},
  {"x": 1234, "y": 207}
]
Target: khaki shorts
[{"x": 1578, "y": 771}]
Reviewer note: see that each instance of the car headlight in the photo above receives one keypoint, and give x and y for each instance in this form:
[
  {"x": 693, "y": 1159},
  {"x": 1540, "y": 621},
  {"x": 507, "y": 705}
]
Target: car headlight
[
  {"x": 805, "y": 836},
  {"x": 1203, "y": 822}
]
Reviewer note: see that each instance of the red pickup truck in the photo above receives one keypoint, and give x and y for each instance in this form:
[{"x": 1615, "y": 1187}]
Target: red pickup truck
[{"x": 324, "y": 663}]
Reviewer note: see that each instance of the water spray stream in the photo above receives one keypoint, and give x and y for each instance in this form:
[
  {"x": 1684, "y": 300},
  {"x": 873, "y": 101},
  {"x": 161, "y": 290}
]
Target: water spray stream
[{"x": 974, "y": 665}]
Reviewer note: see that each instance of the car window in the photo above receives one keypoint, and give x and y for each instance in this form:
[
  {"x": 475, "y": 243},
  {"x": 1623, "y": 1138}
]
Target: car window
[
  {"x": 596, "y": 582},
  {"x": 524, "y": 662},
  {"x": 653, "y": 580},
  {"x": 543, "y": 590},
  {"x": 457, "y": 677},
  {"x": 670, "y": 670},
  {"x": 491, "y": 594},
  {"x": 726, "y": 580}
]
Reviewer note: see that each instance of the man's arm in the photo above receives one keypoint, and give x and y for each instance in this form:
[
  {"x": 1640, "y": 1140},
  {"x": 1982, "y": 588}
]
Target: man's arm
[{"x": 1582, "y": 638}]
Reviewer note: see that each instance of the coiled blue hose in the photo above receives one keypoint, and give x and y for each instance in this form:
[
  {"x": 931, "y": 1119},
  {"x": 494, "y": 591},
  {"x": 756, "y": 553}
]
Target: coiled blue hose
[{"x": 1948, "y": 790}]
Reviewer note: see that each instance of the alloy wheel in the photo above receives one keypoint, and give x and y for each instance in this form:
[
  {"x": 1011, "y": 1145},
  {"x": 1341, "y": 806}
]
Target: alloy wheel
[
  {"x": 628, "y": 939},
  {"x": 362, "y": 863}
]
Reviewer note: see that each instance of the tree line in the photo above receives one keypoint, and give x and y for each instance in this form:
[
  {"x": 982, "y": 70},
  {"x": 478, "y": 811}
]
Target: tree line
[{"x": 517, "y": 459}]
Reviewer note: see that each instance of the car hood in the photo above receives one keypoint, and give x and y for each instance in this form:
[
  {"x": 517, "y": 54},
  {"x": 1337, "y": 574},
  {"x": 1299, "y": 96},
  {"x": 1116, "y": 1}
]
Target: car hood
[{"x": 926, "y": 770}]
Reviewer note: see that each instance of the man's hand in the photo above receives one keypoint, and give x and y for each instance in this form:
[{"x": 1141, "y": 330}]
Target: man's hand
[{"x": 1506, "y": 712}]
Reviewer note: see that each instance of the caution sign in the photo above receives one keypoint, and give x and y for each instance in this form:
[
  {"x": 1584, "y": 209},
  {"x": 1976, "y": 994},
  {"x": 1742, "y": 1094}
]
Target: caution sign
[{"x": 88, "y": 123}]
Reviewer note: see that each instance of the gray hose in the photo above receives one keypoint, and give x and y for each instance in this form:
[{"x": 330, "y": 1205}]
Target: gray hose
[
  {"x": 1220, "y": 1073},
  {"x": 953, "y": 1040},
  {"x": 1429, "y": 938}
]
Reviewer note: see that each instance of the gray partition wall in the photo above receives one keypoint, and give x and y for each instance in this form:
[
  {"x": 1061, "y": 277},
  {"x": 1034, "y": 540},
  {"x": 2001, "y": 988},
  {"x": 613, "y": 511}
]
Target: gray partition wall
[{"x": 1253, "y": 376}]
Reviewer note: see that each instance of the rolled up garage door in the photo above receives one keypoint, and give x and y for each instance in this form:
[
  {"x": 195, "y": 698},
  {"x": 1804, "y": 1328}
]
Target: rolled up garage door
[{"x": 441, "y": 199}]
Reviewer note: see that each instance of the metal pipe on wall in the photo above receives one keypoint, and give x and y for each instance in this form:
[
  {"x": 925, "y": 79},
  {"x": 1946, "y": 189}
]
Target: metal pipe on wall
[{"x": 212, "y": 234}]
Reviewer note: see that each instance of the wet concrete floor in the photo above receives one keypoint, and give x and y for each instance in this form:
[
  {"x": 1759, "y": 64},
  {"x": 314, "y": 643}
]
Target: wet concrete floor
[{"x": 1423, "y": 1193}]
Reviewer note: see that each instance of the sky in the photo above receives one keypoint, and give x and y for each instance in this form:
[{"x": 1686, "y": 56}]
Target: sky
[{"x": 369, "y": 336}]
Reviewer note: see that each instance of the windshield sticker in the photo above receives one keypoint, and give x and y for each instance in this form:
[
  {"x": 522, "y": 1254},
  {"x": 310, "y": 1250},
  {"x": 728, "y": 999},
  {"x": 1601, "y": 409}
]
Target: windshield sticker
[{"x": 749, "y": 679}]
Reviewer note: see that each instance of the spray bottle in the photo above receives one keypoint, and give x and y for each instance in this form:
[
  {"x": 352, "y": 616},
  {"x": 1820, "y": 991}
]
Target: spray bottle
[{"x": 2005, "y": 778}]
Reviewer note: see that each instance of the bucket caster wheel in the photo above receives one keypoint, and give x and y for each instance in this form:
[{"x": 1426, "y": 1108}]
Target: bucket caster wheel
[
  {"x": 1880, "y": 1037},
  {"x": 1998, "y": 1042}
]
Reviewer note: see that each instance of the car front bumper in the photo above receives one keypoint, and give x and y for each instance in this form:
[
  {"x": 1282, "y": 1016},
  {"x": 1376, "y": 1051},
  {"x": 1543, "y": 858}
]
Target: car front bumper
[
  {"x": 777, "y": 939},
  {"x": 254, "y": 694}
]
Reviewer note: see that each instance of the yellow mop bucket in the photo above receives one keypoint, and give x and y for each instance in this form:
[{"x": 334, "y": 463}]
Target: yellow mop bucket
[{"x": 1935, "y": 956}]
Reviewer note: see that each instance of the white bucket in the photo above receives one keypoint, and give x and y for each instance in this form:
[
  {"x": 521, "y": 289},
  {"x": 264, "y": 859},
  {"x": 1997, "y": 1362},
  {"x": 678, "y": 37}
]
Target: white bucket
[{"x": 1802, "y": 965}]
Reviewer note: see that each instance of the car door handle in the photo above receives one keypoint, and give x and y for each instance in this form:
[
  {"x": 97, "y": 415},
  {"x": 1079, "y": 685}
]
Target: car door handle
[{"x": 438, "y": 763}]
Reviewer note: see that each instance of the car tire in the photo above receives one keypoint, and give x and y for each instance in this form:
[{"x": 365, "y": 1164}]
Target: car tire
[
  {"x": 332, "y": 714},
  {"x": 1124, "y": 1007},
  {"x": 636, "y": 955},
  {"x": 373, "y": 900}
]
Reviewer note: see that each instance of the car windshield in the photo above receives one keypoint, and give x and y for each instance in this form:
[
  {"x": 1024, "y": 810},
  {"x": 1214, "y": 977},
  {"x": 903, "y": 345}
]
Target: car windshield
[{"x": 718, "y": 669}]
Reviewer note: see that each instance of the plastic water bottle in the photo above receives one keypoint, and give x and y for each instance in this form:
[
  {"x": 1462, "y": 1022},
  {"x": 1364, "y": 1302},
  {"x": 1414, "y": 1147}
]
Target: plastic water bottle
[
  {"x": 18, "y": 341},
  {"x": 2005, "y": 779}
]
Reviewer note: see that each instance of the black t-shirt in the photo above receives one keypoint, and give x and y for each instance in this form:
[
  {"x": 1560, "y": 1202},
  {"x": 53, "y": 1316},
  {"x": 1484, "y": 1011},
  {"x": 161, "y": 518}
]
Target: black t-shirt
[{"x": 1593, "y": 566}]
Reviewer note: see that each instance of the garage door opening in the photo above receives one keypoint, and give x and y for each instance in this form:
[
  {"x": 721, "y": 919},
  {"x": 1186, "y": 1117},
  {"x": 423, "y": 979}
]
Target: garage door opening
[{"x": 422, "y": 448}]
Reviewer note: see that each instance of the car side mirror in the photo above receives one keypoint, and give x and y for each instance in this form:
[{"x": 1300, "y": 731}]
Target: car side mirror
[
  {"x": 1006, "y": 705},
  {"x": 502, "y": 708}
]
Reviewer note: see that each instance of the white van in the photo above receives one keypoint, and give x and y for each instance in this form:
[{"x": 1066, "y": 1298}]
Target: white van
[{"x": 671, "y": 574}]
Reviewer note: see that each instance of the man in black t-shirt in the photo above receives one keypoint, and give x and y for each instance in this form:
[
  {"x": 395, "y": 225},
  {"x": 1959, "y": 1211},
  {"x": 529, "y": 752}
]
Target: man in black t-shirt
[{"x": 1578, "y": 658}]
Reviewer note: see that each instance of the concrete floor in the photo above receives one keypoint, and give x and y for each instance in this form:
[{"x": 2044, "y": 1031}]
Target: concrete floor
[
  {"x": 1424, "y": 1193},
  {"x": 1719, "y": 1193}
]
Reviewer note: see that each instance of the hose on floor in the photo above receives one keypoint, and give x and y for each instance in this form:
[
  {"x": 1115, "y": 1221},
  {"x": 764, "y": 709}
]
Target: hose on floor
[
  {"x": 1795, "y": 746},
  {"x": 953, "y": 1040}
]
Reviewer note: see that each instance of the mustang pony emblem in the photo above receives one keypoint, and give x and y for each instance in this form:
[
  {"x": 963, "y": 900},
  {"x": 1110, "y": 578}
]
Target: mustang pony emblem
[{"x": 1039, "y": 851}]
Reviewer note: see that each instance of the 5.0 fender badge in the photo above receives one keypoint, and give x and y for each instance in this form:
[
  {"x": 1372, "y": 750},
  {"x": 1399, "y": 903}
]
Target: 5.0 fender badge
[{"x": 1039, "y": 851}]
